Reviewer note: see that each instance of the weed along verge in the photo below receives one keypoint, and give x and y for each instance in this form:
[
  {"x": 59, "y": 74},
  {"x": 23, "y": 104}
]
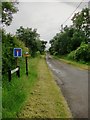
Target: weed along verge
[
  {"x": 16, "y": 92},
  {"x": 45, "y": 99},
  {"x": 35, "y": 95}
]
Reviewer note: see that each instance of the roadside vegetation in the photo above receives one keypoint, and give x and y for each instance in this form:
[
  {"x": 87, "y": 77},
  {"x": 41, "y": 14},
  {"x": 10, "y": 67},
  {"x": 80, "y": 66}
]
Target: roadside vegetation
[
  {"x": 45, "y": 99},
  {"x": 38, "y": 88},
  {"x": 79, "y": 64},
  {"x": 15, "y": 93},
  {"x": 73, "y": 42},
  {"x": 33, "y": 96},
  {"x": 37, "y": 95}
]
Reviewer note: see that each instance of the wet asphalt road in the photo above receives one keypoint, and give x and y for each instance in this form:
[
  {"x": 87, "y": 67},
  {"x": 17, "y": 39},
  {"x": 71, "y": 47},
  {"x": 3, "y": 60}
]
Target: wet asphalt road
[{"x": 74, "y": 85}]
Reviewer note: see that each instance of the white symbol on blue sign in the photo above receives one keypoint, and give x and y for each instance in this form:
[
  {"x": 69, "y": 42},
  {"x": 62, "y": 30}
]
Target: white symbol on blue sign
[{"x": 17, "y": 52}]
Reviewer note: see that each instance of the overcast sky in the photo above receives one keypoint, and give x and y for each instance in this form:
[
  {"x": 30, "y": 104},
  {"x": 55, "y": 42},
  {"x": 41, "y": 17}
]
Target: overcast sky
[{"x": 47, "y": 17}]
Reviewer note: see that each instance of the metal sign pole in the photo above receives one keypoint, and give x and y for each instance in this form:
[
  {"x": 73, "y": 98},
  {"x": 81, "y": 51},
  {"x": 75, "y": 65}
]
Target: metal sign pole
[
  {"x": 26, "y": 67},
  {"x": 18, "y": 72},
  {"x": 17, "y": 52},
  {"x": 26, "y": 55},
  {"x": 16, "y": 61}
]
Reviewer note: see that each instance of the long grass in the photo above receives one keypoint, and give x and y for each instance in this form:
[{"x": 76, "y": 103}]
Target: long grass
[
  {"x": 79, "y": 64},
  {"x": 39, "y": 88},
  {"x": 15, "y": 93},
  {"x": 46, "y": 99}
]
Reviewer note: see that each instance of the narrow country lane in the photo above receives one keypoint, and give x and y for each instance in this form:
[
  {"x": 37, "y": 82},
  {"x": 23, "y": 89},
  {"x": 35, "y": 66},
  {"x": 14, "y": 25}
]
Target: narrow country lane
[{"x": 74, "y": 84}]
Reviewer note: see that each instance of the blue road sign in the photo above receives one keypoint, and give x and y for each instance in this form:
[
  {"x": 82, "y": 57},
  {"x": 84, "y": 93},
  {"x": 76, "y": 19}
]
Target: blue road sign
[{"x": 17, "y": 52}]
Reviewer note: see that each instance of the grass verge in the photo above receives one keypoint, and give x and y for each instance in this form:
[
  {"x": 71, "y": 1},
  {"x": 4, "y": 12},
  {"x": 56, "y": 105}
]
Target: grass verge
[
  {"x": 80, "y": 65},
  {"x": 15, "y": 93},
  {"x": 46, "y": 99}
]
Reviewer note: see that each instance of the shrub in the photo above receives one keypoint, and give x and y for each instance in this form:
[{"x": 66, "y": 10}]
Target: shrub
[
  {"x": 7, "y": 52},
  {"x": 71, "y": 55},
  {"x": 10, "y": 42},
  {"x": 83, "y": 53}
]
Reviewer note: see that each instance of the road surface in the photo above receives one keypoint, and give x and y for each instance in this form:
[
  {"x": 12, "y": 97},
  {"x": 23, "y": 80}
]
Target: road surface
[{"x": 74, "y": 85}]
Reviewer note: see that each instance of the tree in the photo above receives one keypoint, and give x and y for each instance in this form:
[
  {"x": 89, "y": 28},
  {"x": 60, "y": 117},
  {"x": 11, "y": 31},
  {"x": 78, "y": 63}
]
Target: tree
[
  {"x": 43, "y": 46},
  {"x": 81, "y": 21},
  {"x": 61, "y": 43},
  {"x": 8, "y": 41},
  {"x": 70, "y": 38},
  {"x": 31, "y": 39},
  {"x": 8, "y": 9}
]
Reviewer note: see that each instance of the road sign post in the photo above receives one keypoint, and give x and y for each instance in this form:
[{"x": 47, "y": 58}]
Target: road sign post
[
  {"x": 26, "y": 55},
  {"x": 18, "y": 72},
  {"x": 26, "y": 67},
  {"x": 17, "y": 52}
]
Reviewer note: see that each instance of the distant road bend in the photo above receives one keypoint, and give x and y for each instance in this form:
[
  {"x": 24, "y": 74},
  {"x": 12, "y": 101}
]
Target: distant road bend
[{"x": 74, "y": 85}]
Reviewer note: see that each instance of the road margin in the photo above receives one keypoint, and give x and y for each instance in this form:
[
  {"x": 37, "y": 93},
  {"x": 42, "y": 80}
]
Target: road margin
[{"x": 73, "y": 63}]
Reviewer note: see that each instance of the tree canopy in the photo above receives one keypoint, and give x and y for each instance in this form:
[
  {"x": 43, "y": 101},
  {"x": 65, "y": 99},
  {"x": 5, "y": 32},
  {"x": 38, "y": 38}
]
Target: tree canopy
[
  {"x": 71, "y": 38},
  {"x": 31, "y": 39},
  {"x": 8, "y": 9}
]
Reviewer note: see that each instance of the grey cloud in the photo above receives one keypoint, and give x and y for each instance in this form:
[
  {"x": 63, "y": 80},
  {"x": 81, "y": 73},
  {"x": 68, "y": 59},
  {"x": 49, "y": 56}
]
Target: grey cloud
[{"x": 46, "y": 17}]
